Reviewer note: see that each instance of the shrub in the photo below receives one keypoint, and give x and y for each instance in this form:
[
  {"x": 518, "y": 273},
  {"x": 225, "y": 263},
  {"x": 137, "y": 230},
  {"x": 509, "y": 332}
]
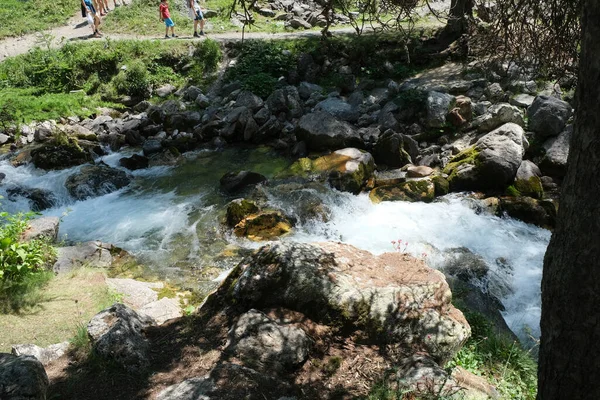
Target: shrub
[{"x": 133, "y": 81}]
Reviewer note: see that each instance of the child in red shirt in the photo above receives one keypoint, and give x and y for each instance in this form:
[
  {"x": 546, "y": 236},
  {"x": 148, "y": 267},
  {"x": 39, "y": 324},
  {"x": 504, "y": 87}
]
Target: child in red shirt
[{"x": 165, "y": 16}]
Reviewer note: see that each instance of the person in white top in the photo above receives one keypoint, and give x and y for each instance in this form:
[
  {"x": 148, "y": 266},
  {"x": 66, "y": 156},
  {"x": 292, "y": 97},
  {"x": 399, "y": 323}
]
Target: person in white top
[{"x": 196, "y": 15}]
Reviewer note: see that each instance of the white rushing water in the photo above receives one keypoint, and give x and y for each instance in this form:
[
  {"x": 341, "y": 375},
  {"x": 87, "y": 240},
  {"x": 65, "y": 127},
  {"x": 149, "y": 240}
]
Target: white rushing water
[{"x": 154, "y": 219}]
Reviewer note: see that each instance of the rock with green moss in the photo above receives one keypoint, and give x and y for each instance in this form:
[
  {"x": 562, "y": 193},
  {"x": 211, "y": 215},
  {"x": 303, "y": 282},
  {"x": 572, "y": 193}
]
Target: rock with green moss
[
  {"x": 239, "y": 209},
  {"x": 491, "y": 163},
  {"x": 392, "y": 295},
  {"x": 346, "y": 170},
  {"x": 412, "y": 190},
  {"x": 390, "y": 150},
  {"x": 441, "y": 184},
  {"x": 264, "y": 225},
  {"x": 528, "y": 181},
  {"x": 530, "y": 210},
  {"x": 60, "y": 155}
]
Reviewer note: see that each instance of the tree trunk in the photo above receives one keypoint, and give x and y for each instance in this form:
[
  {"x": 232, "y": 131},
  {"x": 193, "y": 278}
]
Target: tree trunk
[
  {"x": 569, "y": 363},
  {"x": 461, "y": 11}
]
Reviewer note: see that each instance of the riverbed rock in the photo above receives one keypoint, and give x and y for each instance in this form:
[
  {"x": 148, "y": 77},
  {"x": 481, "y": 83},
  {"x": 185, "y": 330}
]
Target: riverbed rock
[
  {"x": 437, "y": 106},
  {"x": 54, "y": 155},
  {"x": 117, "y": 333},
  {"x": 96, "y": 180},
  {"x": 391, "y": 177},
  {"x": 497, "y": 115},
  {"x": 346, "y": 169},
  {"x": 239, "y": 209},
  {"x": 134, "y": 162},
  {"x": 39, "y": 199},
  {"x": 265, "y": 345},
  {"x": 392, "y": 293},
  {"x": 136, "y": 294},
  {"x": 22, "y": 378},
  {"x": 464, "y": 264},
  {"x": 420, "y": 375},
  {"x": 249, "y": 100},
  {"x": 418, "y": 171},
  {"x": 492, "y": 163},
  {"x": 42, "y": 228},
  {"x": 235, "y": 182},
  {"x": 554, "y": 162},
  {"x": 528, "y": 181},
  {"x": 264, "y": 225},
  {"x": 322, "y": 131},
  {"x": 338, "y": 108},
  {"x": 45, "y": 355},
  {"x": 162, "y": 310},
  {"x": 548, "y": 115},
  {"x": 411, "y": 190},
  {"x": 93, "y": 254},
  {"x": 390, "y": 150},
  {"x": 538, "y": 212}
]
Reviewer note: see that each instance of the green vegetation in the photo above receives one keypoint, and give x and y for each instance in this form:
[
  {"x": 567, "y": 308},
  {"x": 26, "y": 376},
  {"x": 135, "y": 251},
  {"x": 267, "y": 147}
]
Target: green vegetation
[
  {"x": 53, "y": 83},
  {"x": 18, "y": 17}
]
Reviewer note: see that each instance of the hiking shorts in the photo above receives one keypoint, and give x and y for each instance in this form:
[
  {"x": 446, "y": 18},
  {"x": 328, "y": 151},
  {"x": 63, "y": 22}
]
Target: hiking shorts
[
  {"x": 169, "y": 22},
  {"x": 196, "y": 14}
]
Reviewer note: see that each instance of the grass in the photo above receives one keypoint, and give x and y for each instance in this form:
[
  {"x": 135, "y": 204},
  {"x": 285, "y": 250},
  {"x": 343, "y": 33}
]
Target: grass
[
  {"x": 57, "y": 311},
  {"x": 18, "y": 17}
]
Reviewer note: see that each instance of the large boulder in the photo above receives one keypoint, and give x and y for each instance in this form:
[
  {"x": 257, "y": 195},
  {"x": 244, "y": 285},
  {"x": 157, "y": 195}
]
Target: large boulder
[
  {"x": 42, "y": 228},
  {"x": 554, "y": 162},
  {"x": 437, "y": 106},
  {"x": 338, "y": 108},
  {"x": 39, "y": 199},
  {"x": 93, "y": 254},
  {"x": 530, "y": 210},
  {"x": 548, "y": 115},
  {"x": 392, "y": 294},
  {"x": 497, "y": 115},
  {"x": 266, "y": 345},
  {"x": 322, "y": 131},
  {"x": 45, "y": 355},
  {"x": 59, "y": 156},
  {"x": 346, "y": 170},
  {"x": 285, "y": 100},
  {"x": 22, "y": 378},
  {"x": 96, "y": 180},
  {"x": 390, "y": 150},
  {"x": 491, "y": 163},
  {"x": 117, "y": 333}
]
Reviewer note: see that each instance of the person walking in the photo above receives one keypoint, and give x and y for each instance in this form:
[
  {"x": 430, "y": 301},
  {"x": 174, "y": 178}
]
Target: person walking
[
  {"x": 165, "y": 16},
  {"x": 93, "y": 17},
  {"x": 196, "y": 15}
]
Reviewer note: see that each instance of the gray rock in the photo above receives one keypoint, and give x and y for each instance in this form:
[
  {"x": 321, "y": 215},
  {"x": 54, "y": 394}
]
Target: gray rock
[
  {"x": 391, "y": 177},
  {"x": 418, "y": 171},
  {"x": 234, "y": 182},
  {"x": 93, "y": 254},
  {"x": 165, "y": 90},
  {"x": 249, "y": 100},
  {"x": 499, "y": 114},
  {"x": 522, "y": 100},
  {"x": 296, "y": 23},
  {"x": 152, "y": 146},
  {"x": 494, "y": 92},
  {"x": 134, "y": 162},
  {"x": 44, "y": 227},
  {"x": 190, "y": 389},
  {"x": 437, "y": 106},
  {"x": 338, "y": 108},
  {"x": 202, "y": 101},
  {"x": 481, "y": 107},
  {"x": 266, "y": 12},
  {"x": 39, "y": 199},
  {"x": 527, "y": 181},
  {"x": 332, "y": 281},
  {"x": 265, "y": 345},
  {"x": 465, "y": 265},
  {"x": 22, "y": 378},
  {"x": 286, "y": 100},
  {"x": 321, "y": 131},
  {"x": 136, "y": 294},
  {"x": 421, "y": 376},
  {"x": 548, "y": 115},
  {"x": 389, "y": 150},
  {"x": 96, "y": 180},
  {"x": 4, "y": 138},
  {"x": 117, "y": 333},
  {"x": 306, "y": 89},
  {"x": 190, "y": 94},
  {"x": 45, "y": 355},
  {"x": 162, "y": 310},
  {"x": 554, "y": 162}
]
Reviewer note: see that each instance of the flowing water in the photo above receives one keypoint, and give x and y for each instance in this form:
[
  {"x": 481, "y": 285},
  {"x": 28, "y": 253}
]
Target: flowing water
[{"x": 170, "y": 218}]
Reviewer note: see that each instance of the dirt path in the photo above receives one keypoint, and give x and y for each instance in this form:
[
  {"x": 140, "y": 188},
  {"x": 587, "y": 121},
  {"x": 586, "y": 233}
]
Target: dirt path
[{"x": 78, "y": 29}]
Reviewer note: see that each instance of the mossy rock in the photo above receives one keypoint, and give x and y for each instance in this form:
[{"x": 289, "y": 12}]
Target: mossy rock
[
  {"x": 530, "y": 210},
  {"x": 462, "y": 169},
  {"x": 530, "y": 187},
  {"x": 56, "y": 155},
  {"x": 442, "y": 186},
  {"x": 265, "y": 225},
  {"x": 413, "y": 190},
  {"x": 239, "y": 209}
]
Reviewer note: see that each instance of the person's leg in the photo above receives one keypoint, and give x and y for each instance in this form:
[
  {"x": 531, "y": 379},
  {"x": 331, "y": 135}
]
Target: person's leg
[
  {"x": 195, "y": 28},
  {"x": 202, "y": 26},
  {"x": 166, "y": 30}
]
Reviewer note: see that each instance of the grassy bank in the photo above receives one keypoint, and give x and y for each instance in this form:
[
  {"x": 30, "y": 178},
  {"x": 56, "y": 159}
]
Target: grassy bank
[{"x": 18, "y": 17}]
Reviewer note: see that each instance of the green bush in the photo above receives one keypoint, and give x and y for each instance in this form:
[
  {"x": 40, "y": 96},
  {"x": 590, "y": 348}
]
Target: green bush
[{"x": 133, "y": 81}]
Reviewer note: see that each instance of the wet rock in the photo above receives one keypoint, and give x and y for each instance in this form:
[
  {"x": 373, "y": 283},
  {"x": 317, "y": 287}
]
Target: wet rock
[
  {"x": 527, "y": 181},
  {"x": 22, "y": 378},
  {"x": 42, "y": 228},
  {"x": 265, "y": 345},
  {"x": 548, "y": 115},
  {"x": 464, "y": 264},
  {"x": 347, "y": 169},
  {"x": 235, "y": 182},
  {"x": 239, "y": 209},
  {"x": 342, "y": 284},
  {"x": 96, "y": 180},
  {"x": 93, "y": 254},
  {"x": 117, "y": 333},
  {"x": 412, "y": 190},
  {"x": 39, "y": 199},
  {"x": 264, "y": 225},
  {"x": 59, "y": 156},
  {"x": 554, "y": 162},
  {"x": 492, "y": 163},
  {"x": 45, "y": 355},
  {"x": 538, "y": 212},
  {"x": 322, "y": 131},
  {"x": 134, "y": 162}
]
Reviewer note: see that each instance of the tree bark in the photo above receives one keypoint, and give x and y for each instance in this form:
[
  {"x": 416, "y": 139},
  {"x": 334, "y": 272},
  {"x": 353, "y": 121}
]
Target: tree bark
[
  {"x": 461, "y": 11},
  {"x": 569, "y": 363}
]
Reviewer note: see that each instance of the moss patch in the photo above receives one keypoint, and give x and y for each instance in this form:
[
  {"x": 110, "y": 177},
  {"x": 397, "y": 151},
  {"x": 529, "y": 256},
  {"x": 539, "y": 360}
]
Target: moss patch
[
  {"x": 264, "y": 226},
  {"x": 530, "y": 187},
  {"x": 467, "y": 156},
  {"x": 416, "y": 190}
]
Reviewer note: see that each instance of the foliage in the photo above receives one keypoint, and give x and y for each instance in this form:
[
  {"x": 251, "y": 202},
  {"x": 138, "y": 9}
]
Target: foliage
[
  {"x": 16, "y": 296},
  {"x": 8, "y": 115},
  {"x": 19, "y": 259},
  {"x": 499, "y": 359},
  {"x": 18, "y": 17},
  {"x": 133, "y": 80}
]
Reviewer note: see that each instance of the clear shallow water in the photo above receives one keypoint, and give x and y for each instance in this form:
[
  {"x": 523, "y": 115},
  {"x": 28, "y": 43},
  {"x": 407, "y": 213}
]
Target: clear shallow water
[{"x": 170, "y": 218}]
